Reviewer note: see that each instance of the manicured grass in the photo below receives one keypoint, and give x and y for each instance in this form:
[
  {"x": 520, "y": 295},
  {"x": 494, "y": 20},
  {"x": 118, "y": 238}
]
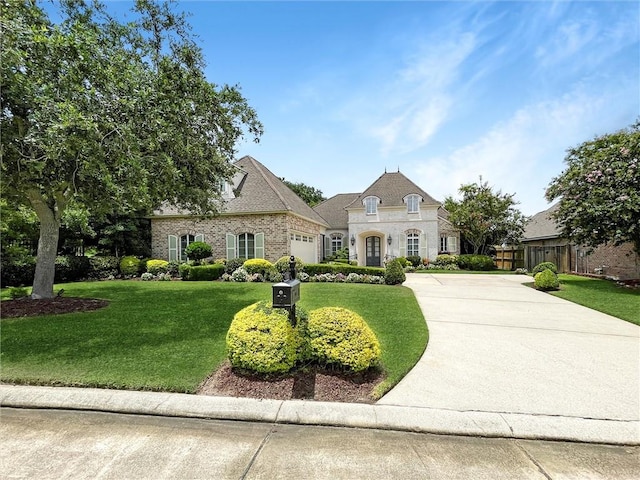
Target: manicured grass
[
  {"x": 602, "y": 295},
  {"x": 473, "y": 272},
  {"x": 171, "y": 335}
]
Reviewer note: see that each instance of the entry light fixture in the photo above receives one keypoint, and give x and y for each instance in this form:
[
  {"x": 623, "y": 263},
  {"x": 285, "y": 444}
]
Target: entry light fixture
[
  {"x": 389, "y": 240},
  {"x": 353, "y": 240}
]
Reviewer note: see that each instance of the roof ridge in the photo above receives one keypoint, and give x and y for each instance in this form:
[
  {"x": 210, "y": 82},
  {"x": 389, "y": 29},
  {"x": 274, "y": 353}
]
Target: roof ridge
[{"x": 259, "y": 166}]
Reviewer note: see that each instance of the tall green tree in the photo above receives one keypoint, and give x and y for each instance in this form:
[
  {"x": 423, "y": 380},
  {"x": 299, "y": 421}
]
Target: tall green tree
[
  {"x": 599, "y": 191},
  {"x": 311, "y": 195},
  {"x": 484, "y": 217},
  {"x": 113, "y": 116}
]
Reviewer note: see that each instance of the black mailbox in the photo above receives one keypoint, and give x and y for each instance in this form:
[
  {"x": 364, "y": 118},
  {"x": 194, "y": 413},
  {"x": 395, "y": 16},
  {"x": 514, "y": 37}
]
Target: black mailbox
[{"x": 286, "y": 294}]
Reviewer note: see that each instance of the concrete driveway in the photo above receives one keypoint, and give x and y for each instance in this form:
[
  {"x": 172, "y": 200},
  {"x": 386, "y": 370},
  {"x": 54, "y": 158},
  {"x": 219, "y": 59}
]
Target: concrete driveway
[{"x": 498, "y": 346}]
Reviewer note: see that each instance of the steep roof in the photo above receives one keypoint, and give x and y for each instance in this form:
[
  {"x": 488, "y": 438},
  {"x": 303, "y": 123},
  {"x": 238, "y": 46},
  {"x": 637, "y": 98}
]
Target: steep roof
[
  {"x": 542, "y": 226},
  {"x": 258, "y": 191},
  {"x": 391, "y": 189},
  {"x": 333, "y": 210}
]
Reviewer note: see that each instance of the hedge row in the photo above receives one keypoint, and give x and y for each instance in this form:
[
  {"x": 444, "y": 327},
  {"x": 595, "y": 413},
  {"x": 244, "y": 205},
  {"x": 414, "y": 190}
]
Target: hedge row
[{"x": 335, "y": 268}]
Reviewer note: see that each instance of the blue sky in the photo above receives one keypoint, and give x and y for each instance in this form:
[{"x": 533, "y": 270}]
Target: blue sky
[{"x": 444, "y": 91}]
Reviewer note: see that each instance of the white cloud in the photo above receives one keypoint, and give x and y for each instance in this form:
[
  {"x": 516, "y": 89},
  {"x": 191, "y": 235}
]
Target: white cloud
[{"x": 521, "y": 154}]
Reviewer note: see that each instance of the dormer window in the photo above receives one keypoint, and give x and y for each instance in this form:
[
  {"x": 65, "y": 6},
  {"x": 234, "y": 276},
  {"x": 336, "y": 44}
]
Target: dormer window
[
  {"x": 413, "y": 203},
  {"x": 371, "y": 205}
]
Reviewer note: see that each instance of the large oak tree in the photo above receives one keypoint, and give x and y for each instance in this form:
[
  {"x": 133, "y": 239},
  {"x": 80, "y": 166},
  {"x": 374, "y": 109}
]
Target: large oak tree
[
  {"x": 110, "y": 115},
  {"x": 599, "y": 191}
]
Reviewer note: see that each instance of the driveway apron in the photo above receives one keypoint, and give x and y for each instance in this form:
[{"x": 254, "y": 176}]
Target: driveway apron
[{"x": 496, "y": 345}]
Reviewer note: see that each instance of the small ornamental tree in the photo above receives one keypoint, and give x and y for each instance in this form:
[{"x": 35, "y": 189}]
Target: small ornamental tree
[
  {"x": 599, "y": 191},
  {"x": 198, "y": 251}
]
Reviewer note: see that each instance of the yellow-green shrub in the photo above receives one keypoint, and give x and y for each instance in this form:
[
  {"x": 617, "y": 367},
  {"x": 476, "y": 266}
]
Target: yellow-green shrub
[
  {"x": 257, "y": 265},
  {"x": 546, "y": 280},
  {"x": 262, "y": 339},
  {"x": 339, "y": 336},
  {"x": 156, "y": 267},
  {"x": 129, "y": 266}
]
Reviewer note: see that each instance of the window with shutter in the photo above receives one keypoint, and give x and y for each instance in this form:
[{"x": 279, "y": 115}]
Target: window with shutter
[{"x": 173, "y": 248}]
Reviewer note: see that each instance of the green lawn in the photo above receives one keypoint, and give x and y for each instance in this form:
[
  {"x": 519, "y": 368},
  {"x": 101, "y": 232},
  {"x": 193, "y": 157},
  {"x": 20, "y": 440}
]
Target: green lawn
[
  {"x": 171, "y": 335},
  {"x": 602, "y": 295}
]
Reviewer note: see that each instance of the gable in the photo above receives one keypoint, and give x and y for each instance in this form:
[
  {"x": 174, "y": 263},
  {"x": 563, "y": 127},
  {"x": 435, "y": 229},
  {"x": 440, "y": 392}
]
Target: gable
[{"x": 392, "y": 189}]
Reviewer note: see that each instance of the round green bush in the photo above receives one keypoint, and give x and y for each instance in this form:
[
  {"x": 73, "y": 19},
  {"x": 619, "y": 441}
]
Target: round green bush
[
  {"x": 258, "y": 265},
  {"x": 262, "y": 339},
  {"x": 156, "y": 267},
  {"x": 544, "y": 266},
  {"x": 129, "y": 266},
  {"x": 546, "y": 280},
  {"x": 197, "y": 251},
  {"x": 232, "y": 264},
  {"x": 394, "y": 274},
  {"x": 337, "y": 336}
]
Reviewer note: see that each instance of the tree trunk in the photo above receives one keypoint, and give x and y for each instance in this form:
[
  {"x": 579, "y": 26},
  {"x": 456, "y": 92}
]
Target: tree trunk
[{"x": 47, "y": 246}]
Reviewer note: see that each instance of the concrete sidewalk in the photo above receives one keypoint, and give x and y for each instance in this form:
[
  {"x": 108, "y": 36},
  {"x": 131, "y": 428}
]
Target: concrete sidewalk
[{"x": 503, "y": 361}]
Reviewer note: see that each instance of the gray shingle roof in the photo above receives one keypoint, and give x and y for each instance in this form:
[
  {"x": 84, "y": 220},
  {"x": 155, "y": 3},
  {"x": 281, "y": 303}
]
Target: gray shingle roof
[
  {"x": 391, "y": 188},
  {"x": 258, "y": 191},
  {"x": 542, "y": 225},
  {"x": 262, "y": 192},
  {"x": 333, "y": 210}
]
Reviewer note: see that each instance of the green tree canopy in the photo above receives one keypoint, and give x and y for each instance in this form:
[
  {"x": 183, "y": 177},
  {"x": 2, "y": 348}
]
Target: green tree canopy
[
  {"x": 599, "y": 191},
  {"x": 311, "y": 195},
  {"x": 484, "y": 217},
  {"x": 111, "y": 116}
]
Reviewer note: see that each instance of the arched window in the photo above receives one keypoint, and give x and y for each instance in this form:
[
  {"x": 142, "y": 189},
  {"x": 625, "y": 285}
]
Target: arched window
[
  {"x": 336, "y": 243},
  {"x": 246, "y": 246},
  {"x": 413, "y": 244}
]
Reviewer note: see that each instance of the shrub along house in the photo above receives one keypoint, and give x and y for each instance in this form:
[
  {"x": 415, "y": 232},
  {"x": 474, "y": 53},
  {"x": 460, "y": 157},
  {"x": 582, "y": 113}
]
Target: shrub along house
[
  {"x": 260, "y": 218},
  {"x": 392, "y": 218}
]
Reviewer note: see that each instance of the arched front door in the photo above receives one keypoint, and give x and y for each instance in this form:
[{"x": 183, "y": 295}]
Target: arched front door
[{"x": 373, "y": 251}]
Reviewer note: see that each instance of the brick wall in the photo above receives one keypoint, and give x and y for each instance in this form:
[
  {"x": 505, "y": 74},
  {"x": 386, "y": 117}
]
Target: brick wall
[
  {"x": 621, "y": 262},
  {"x": 276, "y": 229}
]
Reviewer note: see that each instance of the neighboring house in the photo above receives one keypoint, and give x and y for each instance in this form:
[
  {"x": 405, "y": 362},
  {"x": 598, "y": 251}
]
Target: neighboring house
[
  {"x": 392, "y": 218},
  {"x": 260, "y": 218},
  {"x": 543, "y": 242}
]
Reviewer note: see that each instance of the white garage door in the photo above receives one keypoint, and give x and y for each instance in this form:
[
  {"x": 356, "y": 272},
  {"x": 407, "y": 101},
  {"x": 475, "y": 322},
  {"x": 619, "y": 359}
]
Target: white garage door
[{"x": 304, "y": 247}]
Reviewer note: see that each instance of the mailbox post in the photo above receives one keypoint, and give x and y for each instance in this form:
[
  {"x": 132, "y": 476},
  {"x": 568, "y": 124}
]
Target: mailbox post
[{"x": 286, "y": 294}]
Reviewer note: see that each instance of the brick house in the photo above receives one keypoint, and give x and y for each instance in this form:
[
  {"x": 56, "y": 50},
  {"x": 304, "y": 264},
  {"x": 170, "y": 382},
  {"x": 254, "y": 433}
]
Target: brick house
[
  {"x": 262, "y": 218},
  {"x": 543, "y": 242}
]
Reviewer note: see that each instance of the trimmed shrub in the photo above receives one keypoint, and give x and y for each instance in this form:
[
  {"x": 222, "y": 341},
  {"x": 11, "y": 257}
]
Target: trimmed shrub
[
  {"x": 184, "y": 270},
  {"x": 319, "y": 268},
  {"x": 415, "y": 260},
  {"x": 282, "y": 265},
  {"x": 337, "y": 336},
  {"x": 546, "y": 280},
  {"x": 103, "y": 267},
  {"x": 544, "y": 266},
  {"x": 262, "y": 339},
  {"x": 156, "y": 267},
  {"x": 174, "y": 268},
  {"x": 199, "y": 273},
  {"x": 258, "y": 265},
  {"x": 476, "y": 263},
  {"x": 445, "y": 259},
  {"x": 129, "y": 266},
  {"x": 198, "y": 251},
  {"x": 232, "y": 264},
  {"x": 394, "y": 274}
]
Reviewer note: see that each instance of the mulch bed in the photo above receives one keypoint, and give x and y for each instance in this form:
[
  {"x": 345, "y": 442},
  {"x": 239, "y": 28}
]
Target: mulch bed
[{"x": 29, "y": 307}]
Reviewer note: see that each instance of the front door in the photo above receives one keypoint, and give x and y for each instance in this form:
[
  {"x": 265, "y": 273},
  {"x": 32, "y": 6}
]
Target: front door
[{"x": 373, "y": 251}]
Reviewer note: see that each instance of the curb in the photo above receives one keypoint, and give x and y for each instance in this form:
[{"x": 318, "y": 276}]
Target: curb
[{"x": 301, "y": 412}]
